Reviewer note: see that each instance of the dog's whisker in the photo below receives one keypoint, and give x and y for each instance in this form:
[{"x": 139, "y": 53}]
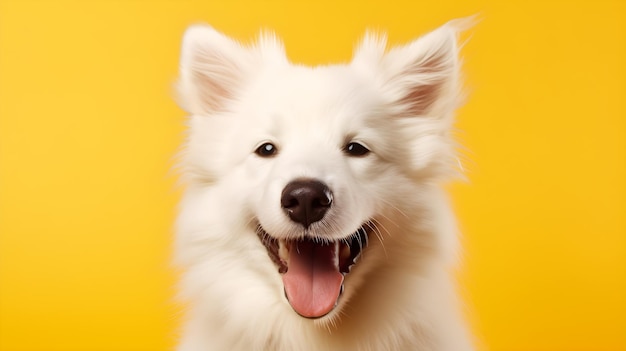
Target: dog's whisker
[
  {"x": 379, "y": 225},
  {"x": 378, "y": 234},
  {"x": 393, "y": 207},
  {"x": 358, "y": 239},
  {"x": 250, "y": 220},
  {"x": 389, "y": 220}
]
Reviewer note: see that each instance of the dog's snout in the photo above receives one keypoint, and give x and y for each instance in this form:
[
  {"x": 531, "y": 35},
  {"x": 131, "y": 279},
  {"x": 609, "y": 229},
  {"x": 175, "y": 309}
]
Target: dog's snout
[{"x": 306, "y": 201}]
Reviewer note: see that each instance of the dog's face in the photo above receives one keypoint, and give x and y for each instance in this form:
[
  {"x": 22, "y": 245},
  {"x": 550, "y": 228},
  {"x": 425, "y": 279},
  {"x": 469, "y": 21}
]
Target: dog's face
[{"x": 317, "y": 162}]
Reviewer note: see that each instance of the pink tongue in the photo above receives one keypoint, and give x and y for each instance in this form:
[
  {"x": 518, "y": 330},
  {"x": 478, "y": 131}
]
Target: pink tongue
[{"x": 313, "y": 281}]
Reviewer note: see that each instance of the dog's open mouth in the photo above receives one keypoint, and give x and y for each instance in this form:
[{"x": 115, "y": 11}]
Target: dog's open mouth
[{"x": 313, "y": 269}]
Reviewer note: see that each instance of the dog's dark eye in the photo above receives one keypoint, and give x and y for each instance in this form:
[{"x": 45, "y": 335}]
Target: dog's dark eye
[
  {"x": 266, "y": 150},
  {"x": 356, "y": 149}
]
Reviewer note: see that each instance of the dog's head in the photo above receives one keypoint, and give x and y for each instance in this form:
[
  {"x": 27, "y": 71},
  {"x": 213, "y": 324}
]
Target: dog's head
[{"x": 320, "y": 161}]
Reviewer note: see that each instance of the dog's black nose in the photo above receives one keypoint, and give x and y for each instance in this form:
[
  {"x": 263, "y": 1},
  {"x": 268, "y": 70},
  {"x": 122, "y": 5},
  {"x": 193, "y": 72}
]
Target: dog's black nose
[{"x": 306, "y": 201}]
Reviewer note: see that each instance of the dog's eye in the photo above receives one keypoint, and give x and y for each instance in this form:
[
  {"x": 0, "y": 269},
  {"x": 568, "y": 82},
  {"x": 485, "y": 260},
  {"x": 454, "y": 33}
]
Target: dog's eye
[
  {"x": 356, "y": 149},
  {"x": 266, "y": 150}
]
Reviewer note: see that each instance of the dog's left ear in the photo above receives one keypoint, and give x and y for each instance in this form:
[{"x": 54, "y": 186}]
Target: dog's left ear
[{"x": 420, "y": 78}]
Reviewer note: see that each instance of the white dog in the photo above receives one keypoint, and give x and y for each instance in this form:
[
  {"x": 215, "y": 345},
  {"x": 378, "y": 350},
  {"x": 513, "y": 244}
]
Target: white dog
[{"x": 312, "y": 217}]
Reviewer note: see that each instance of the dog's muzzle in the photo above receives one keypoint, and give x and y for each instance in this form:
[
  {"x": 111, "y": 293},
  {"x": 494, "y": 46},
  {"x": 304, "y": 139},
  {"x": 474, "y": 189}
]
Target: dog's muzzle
[{"x": 312, "y": 267}]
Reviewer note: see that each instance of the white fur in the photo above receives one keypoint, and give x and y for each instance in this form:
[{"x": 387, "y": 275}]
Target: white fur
[{"x": 399, "y": 104}]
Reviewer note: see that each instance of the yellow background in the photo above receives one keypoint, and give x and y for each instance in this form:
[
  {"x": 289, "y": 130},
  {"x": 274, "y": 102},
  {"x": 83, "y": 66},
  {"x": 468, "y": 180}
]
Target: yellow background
[{"x": 88, "y": 129}]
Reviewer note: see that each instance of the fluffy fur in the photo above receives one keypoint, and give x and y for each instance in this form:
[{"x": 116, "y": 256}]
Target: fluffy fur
[{"x": 399, "y": 104}]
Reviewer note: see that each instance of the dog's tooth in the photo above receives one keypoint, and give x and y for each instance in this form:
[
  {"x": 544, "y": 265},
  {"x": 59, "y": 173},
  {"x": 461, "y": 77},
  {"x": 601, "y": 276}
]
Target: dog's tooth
[
  {"x": 337, "y": 250},
  {"x": 344, "y": 252},
  {"x": 283, "y": 251}
]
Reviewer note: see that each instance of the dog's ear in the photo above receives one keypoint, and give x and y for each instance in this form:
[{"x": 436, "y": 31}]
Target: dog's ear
[
  {"x": 420, "y": 82},
  {"x": 211, "y": 66},
  {"x": 417, "y": 79}
]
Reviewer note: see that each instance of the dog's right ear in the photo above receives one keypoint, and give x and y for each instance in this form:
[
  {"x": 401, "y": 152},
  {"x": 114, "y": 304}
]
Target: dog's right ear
[
  {"x": 418, "y": 79},
  {"x": 211, "y": 67}
]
